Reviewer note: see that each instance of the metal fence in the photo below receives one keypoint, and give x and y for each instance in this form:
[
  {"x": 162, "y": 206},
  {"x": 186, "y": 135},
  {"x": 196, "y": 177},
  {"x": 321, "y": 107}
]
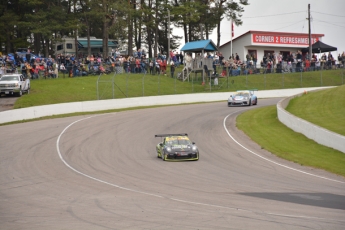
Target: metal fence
[{"x": 219, "y": 79}]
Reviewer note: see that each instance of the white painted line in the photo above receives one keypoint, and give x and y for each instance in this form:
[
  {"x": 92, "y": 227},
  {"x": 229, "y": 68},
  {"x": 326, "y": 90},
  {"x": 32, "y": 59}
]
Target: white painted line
[
  {"x": 159, "y": 196},
  {"x": 264, "y": 158},
  {"x": 83, "y": 174}
]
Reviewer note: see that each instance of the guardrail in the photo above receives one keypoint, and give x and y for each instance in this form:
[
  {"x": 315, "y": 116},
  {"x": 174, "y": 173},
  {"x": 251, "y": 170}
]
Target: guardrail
[{"x": 312, "y": 131}]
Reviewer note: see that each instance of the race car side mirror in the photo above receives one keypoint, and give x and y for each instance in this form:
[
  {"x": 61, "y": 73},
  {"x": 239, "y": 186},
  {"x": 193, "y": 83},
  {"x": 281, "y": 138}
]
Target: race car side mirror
[
  {"x": 193, "y": 143},
  {"x": 161, "y": 144}
]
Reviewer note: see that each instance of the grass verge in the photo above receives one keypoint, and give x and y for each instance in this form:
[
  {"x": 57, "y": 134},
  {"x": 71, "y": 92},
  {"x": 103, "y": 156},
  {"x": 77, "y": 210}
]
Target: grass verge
[
  {"x": 325, "y": 108},
  {"x": 263, "y": 127}
]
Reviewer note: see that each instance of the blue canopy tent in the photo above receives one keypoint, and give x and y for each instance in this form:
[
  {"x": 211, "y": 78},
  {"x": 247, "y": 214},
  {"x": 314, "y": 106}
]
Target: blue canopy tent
[{"x": 201, "y": 46}]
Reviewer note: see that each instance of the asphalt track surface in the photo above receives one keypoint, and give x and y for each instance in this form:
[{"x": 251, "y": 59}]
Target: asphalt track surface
[{"x": 102, "y": 172}]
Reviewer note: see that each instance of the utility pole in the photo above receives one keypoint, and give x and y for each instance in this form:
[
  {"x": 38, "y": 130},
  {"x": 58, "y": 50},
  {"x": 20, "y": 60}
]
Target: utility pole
[
  {"x": 310, "y": 50},
  {"x": 168, "y": 58}
]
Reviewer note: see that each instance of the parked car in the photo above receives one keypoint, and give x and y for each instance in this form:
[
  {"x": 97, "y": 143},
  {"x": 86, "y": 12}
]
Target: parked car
[{"x": 11, "y": 84}]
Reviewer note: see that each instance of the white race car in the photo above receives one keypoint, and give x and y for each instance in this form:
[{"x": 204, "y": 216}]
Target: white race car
[{"x": 243, "y": 97}]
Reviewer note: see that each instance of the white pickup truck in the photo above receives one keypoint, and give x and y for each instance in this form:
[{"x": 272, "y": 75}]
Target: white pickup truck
[{"x": 14, "y": 84}]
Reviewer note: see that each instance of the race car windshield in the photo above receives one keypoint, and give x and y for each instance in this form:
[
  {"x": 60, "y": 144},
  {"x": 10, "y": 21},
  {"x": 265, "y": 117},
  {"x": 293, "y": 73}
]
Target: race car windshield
[
  {"x": 179, "y": 142},
  {"x": 243, "y": 94}
]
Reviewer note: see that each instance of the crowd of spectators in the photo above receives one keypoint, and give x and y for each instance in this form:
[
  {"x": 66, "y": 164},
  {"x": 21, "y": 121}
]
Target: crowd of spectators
[
  {"x": 31, "y": 66},
  {"x": 298, "y": 62},
  {"x": 36, "y": 67},
  {"x": 279, "y": 63}
]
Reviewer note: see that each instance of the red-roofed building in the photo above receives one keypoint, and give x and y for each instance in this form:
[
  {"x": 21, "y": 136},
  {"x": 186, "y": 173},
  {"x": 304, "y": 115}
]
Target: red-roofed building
[{"x": 262, "y": 42}]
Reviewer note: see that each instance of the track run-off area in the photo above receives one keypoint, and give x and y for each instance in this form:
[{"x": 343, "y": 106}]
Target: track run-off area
[{"x": 102, "y": 172}]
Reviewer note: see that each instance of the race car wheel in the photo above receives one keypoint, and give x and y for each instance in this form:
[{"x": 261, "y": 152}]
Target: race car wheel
[
  {"x": 163, "y": 156},
  {"x": 250, "y": 102}
]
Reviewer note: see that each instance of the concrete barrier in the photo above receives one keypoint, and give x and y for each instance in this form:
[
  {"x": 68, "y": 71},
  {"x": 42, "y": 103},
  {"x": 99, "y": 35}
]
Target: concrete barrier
[
  {"x": 100, "y": 105},
  {"x": 314, "y": 132}
]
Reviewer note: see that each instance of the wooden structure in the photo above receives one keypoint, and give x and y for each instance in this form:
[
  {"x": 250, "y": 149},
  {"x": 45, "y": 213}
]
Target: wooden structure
[{"x": 199, "y": 64}]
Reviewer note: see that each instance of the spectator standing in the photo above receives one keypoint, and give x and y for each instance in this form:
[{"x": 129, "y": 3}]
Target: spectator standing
[
  {"x": 139, "y": 53},
  {"x": 62, "y": 68},
  {"x": 340, "y": 60},
  {"x": 317, "y": 65},
  {"x": 28, "y": 70},
  {"x": 126, "y": 64},
  {"x": 137, "y": 65},
  {"x": 172, "y": 69},
  {"x": 23, "y": 67},
  {"x": 69, "y": 68},
  {"x": 274, "y": 59},
  {"x": 221, "y": 58},
  {"x": 329, "y": 60},
  {"x": 323, "y": 60},
  {"x": 28, "y": 56},
  {"x": 181, "y": 58},
  {"x": 306, "y": 56},
  {"x": 164, "y": 66},
  {"x": 177, "y": 55},
  {"x": 237, "y": 58},
  {"x": 299, "y": 61},
  {"x": 313, "y": 61},
  {"x": 280, "y": 58},
  {"x": 248, "y": 58},
  {"x": 16, "y": 57},
  {"x": 132, "y": 64},
  {"x": 35, "y": 71},
  {"x": 189, "y": 61},
  {"x": 117, "y": 53}
]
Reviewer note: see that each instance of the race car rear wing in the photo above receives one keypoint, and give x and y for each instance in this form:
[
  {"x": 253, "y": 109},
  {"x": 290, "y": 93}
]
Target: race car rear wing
[{"x": 169, "y": 135}]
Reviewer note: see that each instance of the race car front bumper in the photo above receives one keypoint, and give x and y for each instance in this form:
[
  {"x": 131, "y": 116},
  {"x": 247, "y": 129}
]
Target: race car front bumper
[
  {"x": 237, "y": 103},
  {"x": 182, "y": 156}
]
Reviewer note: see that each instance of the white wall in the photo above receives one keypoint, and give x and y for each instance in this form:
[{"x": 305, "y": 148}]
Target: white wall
[
  {"x": 314, "y": 132},
  {"x": 238, "y": 46}
]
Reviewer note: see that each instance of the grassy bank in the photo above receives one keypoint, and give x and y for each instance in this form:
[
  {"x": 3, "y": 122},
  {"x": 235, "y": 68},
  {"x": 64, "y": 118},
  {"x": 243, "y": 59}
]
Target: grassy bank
[
  {"x": 324, "y": 108},
  {"x": 263, "y": 127}
]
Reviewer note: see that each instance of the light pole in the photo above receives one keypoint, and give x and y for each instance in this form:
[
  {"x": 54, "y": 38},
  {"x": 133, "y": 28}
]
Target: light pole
[{"x": 168, "y": 59}]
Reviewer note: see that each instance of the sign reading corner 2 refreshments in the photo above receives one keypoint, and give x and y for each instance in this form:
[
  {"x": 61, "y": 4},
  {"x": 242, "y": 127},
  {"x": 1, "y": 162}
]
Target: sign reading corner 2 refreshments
[{"x": 283, "y": 39}]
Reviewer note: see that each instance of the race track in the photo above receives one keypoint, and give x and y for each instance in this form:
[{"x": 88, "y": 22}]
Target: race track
[{"x": 102, "y": 172}]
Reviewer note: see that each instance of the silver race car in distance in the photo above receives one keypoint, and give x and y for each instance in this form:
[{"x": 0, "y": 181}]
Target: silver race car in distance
[{"x": 243, "y": 97}]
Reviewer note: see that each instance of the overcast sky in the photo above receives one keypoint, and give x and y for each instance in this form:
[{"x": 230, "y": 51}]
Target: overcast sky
[{"x": 328, "y": 18}]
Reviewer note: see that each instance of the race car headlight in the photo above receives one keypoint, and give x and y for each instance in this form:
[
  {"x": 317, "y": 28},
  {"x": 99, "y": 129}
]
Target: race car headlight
[
  {"x": 245, "y": 98},
  {"x": 168, "y": 149},
  {"x": 194, "y": 148}
]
